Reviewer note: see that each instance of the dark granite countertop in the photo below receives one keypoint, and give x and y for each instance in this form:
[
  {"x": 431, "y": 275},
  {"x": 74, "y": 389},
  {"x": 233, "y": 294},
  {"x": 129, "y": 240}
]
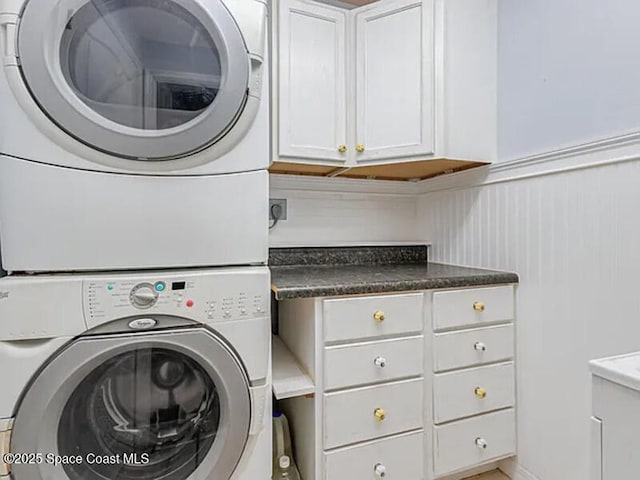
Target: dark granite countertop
[{"x": 406, "y": 271}]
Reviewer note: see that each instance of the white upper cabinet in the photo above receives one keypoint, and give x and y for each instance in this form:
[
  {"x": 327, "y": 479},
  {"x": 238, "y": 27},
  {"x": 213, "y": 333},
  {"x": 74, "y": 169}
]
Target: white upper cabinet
[
  {"x": 312, "y": 50},
  {"x": 394, "y": 80}
]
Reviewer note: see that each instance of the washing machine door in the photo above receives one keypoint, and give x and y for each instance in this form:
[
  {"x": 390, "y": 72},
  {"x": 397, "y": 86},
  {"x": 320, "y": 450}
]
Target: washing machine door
[
  {"x": 141, "y": 79},
  {"x": 168, "y": 405}
]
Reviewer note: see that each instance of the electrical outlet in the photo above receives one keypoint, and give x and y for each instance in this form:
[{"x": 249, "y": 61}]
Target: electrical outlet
[{"x": 282, "y": 203}]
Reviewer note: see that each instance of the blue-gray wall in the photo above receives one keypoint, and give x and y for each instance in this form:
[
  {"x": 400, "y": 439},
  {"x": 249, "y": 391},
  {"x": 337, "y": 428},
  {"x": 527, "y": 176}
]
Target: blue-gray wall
[{"x": 569, "y": 73}]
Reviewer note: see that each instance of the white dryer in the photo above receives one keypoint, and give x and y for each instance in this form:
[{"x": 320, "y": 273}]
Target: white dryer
[
  {"x": 133, "y": 134},
  {"x": 137, "y": 376}
]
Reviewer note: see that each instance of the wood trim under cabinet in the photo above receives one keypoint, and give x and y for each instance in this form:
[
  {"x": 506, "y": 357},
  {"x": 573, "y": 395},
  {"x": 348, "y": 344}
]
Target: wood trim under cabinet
[{"x": 403, "y": 171}]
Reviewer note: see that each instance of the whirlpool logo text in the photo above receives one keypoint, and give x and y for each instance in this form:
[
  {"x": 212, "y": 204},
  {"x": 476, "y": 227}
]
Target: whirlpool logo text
[{"x": 4, "y": 295}]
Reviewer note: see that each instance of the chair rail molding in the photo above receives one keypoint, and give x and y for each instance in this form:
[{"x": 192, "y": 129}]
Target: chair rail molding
[{"x": 618, "y": 149}]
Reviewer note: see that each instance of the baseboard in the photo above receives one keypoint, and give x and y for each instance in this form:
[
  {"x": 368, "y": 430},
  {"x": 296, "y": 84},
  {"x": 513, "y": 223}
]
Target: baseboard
[
  {"x": 472, "y": 472},
  {"x": 514, "y": 471}
]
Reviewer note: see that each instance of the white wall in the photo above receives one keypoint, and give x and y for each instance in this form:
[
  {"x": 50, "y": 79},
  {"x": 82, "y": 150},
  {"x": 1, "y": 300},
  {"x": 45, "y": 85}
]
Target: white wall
[
  {"x": 342, "y": 212},
  {"x": 574, "y": 239},
  {"x": 568, "y": 73}
]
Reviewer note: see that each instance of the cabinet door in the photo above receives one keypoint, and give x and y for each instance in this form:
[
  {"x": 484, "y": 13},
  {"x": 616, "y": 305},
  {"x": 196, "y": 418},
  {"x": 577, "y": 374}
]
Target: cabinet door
[
  {"x": 395, "y": 80},
  {"x": 312, "y": 81}
]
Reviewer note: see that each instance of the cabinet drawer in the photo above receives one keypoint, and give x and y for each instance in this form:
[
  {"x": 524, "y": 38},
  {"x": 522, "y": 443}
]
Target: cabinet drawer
[
  {"x": 351, "y": 416},
  {"x": 398, "y": 458},
  {"x": 369, "y": 317},
  {"x": 373, "y": 362},
  {"x": 467, "y": 443},
  {"x": 473, "y": 347},
  {"x": 476, "y": 306},
  {"x": 454, "y": 394}
]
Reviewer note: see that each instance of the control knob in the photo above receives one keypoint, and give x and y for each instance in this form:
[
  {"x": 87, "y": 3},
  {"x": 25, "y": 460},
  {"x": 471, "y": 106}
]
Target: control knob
[{"x": 143, "y": 295}]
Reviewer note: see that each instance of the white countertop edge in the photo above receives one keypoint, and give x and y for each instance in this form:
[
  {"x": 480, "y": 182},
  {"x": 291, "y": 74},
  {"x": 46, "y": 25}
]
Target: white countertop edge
[{"x": 621, "y": 369}]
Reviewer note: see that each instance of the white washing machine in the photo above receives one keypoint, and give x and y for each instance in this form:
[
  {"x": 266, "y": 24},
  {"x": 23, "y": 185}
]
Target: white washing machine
[
  {"x": 133, "y": 134},
  {"x": 160, "y": 375}
]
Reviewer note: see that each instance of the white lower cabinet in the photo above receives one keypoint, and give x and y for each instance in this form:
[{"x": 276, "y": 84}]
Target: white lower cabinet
[
  {"x": 393, "y": 459},
  {"x": 372, "y": 412},
  {"x": 399, "y": 395},
  {"x": 615, "y": 423},
  {"x": 465, "y": 348},
  {"x": 472, "y": 378},
  {"x": 373, "y": 362},
  {"x": 349, "y": 319},
  {"x": 470, "y": 392},
  {"x": 474, "y": 441}
]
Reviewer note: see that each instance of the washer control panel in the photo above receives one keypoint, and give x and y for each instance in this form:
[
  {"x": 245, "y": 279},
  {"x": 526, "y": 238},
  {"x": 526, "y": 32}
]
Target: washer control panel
[
  {"x": 203, "y": 296},
  {"x": 143, "y": 295}
]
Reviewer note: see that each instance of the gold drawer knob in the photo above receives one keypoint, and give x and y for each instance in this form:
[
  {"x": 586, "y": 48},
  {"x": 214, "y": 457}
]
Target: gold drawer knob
[
  {"x": 480, "y": 392},
  {"x": 479, "y": 306},
  {"x": 360, "y": 148},
  {"x": 379, "y": 316},
  {"x": 342, "y": 148},
  {"x": 380, "y": 414}
]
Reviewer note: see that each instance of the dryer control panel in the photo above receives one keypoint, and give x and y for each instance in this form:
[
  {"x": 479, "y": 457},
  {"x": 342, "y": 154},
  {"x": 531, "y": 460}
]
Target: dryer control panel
[{"x": 207, "y": 296}]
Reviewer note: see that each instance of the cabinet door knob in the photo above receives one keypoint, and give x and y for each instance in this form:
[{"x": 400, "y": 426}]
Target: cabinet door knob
[
  {"x": 479, "y": 306},
  {"x": 479, "y": 346},
  {"x": 380, "y": 470},
  {"x": 342, "y": 148},
  {"x": 480, "y": 392},
  {"x": 380, "y": 414},
  {"x": 360, "y": 148},
  {"x": 380, "y": 362},
  {"x": 481, "y": 443},
  {"x": 379, "y": 316}
]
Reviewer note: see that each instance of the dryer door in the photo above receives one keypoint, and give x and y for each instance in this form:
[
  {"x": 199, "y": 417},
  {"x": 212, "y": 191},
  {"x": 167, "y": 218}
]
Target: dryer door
[
  {"x": 141, "y": 79},
  {"x": 169, "y": 405}
]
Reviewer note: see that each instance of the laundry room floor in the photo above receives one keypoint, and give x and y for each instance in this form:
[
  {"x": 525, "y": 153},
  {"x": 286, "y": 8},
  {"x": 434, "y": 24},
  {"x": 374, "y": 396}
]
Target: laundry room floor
[{"x": 493, "y": 475}]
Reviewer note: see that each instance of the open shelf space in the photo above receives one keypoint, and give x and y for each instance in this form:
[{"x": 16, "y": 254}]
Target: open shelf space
[{"x": 289, "y": 379}]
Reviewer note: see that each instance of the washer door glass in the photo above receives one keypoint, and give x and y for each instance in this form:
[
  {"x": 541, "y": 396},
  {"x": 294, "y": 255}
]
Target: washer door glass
[
  {"x": 155, "y": 409},
  {"x": 137, "y": 78},
  {"x": 170, "y": 405}
]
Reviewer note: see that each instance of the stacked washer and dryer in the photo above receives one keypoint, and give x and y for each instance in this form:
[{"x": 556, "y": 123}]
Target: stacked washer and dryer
[{"x": 134, "y": 319}]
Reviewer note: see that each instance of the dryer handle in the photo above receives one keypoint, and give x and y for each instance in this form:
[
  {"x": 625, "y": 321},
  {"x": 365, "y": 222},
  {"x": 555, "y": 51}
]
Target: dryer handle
[{"x": 9, "y": 40}]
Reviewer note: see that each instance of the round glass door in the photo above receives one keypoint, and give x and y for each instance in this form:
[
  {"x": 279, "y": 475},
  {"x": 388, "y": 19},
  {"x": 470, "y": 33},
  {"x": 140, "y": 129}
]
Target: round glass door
[
  {"x": 173, "y": 407},
  {"x": 154, "y": 411},
  {"x": 145, "y": 79},
  {"x": 143, "y": 64}
]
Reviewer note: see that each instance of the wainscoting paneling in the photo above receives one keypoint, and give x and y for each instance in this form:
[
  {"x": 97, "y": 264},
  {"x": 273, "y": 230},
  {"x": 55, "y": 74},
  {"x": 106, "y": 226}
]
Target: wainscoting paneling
[{"x": 574, "y": 238}]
